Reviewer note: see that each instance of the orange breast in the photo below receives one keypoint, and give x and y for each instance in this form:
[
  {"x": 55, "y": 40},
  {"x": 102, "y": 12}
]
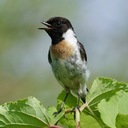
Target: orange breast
[{"x": 62, "y": 50}]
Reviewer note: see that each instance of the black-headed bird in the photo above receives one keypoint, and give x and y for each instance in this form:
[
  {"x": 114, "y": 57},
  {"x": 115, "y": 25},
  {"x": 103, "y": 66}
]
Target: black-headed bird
[{"x": 67, "y": 58}]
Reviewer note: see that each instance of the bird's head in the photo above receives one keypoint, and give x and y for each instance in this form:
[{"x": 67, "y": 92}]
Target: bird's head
[{"x": 56, "y": 27}]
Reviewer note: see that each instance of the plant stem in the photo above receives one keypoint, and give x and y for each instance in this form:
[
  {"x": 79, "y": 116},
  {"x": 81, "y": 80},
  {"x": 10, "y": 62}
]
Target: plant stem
[{"x": 77, "y": 118}]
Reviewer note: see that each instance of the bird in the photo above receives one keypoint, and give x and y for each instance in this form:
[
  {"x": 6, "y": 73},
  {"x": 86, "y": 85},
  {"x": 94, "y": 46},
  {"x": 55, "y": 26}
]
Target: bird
[{"x": 67, "y": 57}]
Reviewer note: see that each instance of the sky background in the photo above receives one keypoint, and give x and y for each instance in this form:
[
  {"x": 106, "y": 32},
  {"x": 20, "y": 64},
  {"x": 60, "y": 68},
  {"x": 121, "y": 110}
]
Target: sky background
[{"x": 101, "y": 26}]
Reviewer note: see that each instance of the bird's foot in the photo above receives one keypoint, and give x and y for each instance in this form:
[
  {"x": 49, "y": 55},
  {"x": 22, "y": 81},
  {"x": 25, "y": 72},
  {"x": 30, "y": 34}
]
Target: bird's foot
[
  {"x": 56, "y": 113},
  {"x": 74, "y": 110},
  {"x": 76, "y": 107}
]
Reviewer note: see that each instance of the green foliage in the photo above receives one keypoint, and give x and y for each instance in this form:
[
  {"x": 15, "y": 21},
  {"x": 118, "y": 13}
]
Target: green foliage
[
  {"x": 122, "y": 121},
  {"x": 27, "y": 113},
  {"x": 106, "y": 108},
  {"x": 110, "y": 109}
]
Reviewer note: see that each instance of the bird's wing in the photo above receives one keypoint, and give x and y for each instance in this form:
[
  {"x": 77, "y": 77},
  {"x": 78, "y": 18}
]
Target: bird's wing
[{"x": 82, "y": 52}]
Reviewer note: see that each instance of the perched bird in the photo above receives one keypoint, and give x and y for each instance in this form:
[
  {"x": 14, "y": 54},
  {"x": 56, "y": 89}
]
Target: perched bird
[{"x": 67, "y": 57}]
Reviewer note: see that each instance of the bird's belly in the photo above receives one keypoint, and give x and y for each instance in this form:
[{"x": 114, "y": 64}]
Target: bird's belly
[{"x": 69, "y": 73}]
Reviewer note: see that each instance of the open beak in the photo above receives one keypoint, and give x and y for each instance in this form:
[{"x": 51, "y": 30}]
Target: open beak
[{"x": 49, "y": 26}]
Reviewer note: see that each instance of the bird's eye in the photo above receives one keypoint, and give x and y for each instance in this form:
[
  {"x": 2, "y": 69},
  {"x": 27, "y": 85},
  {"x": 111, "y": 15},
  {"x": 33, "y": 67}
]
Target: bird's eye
[{"x": 59, "y": 24}]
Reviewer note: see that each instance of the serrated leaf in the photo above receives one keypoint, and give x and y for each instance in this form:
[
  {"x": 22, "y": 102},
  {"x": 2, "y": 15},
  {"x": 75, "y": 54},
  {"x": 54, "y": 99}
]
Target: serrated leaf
[
  {"x": 27, "y": 113},
  {"x": 110, "y": 109},
  {"x": 122, "y": 121},
  {"x": 103, "y": 88}
]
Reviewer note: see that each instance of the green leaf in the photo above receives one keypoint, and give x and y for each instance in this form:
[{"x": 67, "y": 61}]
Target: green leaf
[
  {"x": 123, "y": 104},
  {"x": 71, "y": 101},
  {"x": 68, "y": 121},
  {"x": 88, "y": 121},
  {"x": 52, "y": 118},
  {"x": 110, "y": 109},
  {"x": 103, "y": 88},
  {"x": 122, "y": 121},
  {"x": 27, "y": 113}
]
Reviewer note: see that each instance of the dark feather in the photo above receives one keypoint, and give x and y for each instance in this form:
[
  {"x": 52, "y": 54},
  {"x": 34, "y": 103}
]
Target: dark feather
[
  {"x": 49, "y": 57},
  {"x": 82, "y": 52},
  {"x": 83, "y": 99}
]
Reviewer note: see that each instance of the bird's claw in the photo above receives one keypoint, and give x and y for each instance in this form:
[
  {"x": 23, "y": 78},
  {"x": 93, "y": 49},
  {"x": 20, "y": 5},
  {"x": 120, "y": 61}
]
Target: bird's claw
[
  {"x": 74, "y": 110},
  {"x": 56, "y": 113}
]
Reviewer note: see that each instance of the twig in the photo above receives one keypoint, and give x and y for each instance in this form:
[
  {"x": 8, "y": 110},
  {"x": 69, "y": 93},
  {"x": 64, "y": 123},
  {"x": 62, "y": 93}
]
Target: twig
[
  {"x": 83, "y": 106},
  {"x": 77, "y": 118}
]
